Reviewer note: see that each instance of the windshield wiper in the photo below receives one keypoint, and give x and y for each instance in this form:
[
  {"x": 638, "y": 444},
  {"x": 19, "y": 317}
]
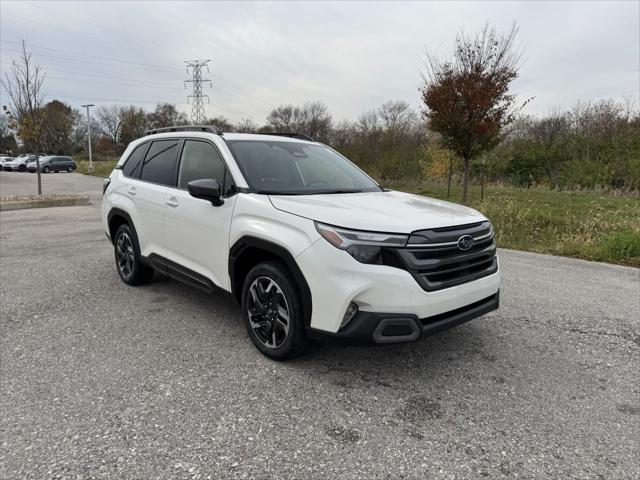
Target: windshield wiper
[
  {"x": 344, "y": 190},
  {"x": 308, "y": 192}
]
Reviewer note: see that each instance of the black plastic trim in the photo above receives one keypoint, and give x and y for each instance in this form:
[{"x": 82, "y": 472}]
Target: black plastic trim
[
  {"x": 121, "y": 213},
  {"x": 180, "y": 273},
  {"x": 367, "y": 328},
  {"x": 248, "y": 241}
]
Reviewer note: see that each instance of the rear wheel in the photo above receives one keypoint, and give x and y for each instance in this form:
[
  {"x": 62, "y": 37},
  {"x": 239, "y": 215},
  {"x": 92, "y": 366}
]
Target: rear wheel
[
  {"x": 127, "y": 255},
  {"x": 272, "y": 310},
  {"x": 22, "y": 168}
]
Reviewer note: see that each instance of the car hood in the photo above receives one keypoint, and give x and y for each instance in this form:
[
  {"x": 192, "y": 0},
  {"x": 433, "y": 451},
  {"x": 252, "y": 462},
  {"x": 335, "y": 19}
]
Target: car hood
[{"x": 388, "y": 211}]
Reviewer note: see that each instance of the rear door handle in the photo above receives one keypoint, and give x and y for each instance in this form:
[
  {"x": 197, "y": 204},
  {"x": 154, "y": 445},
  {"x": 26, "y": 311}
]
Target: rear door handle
[
  {"x": 172, "y": 202},
  {"x": 132, "y": 190}
]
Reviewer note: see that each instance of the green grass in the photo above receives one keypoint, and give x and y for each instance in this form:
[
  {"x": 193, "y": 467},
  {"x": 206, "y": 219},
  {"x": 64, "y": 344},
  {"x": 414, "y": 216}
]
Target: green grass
[
  {"x": 102, "y": 168},
  {"x": 592, "y": 226}
]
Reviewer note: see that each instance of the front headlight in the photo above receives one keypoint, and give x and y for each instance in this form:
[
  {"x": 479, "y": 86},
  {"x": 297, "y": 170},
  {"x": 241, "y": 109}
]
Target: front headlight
[{"x": 366, "y": 247}]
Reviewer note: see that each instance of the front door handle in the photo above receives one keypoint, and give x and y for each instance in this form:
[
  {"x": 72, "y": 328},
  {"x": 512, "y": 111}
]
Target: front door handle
[
  {"x": 132, "y": 190},
  {"x": 172, "y": 202}
]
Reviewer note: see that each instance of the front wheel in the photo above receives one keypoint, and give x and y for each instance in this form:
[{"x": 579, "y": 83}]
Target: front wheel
[
  {"x": 46, "y": 169},
  {"x": 272, "y": 310},
  {"x": 69, "y": 169},
  {"x": 127, "y": 254}
]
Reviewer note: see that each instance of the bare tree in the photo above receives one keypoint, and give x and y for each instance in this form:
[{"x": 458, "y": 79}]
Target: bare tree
[
  {"x": 312, "y": 118},
  {"x": 23, "y": 84},
  {"x": 281, "y": 118},
  {"x": 221, "y": 123},
  {"x": 110, "y": 122},
  {"x": 246, "y": 125},
  {"x": 397, "y": 116}
]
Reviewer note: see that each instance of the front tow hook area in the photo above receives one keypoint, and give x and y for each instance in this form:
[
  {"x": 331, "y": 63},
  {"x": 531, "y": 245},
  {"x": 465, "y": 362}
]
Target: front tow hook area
[{"x": 397, "y": 330}]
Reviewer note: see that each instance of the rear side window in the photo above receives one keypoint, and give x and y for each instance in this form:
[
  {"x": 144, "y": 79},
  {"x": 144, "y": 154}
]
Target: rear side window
[
  {"x": 201, "y": 160},
  {"x": 132, "y": 166},
  {"x": 159, "y": 163}
]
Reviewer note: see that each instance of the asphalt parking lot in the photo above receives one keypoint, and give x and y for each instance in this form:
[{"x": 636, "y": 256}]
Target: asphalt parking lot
[
  {"x": 102, "y": 380},
  {"x": 25, "y": 183}
]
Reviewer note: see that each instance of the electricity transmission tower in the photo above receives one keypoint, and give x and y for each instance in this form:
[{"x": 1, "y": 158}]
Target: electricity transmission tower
[{"x": 197, "y": 98}]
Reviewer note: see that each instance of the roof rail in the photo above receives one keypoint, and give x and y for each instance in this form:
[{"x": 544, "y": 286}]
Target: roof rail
[
  {"x": 299, "y": 136},
  {"x": 185, "y": 128}
]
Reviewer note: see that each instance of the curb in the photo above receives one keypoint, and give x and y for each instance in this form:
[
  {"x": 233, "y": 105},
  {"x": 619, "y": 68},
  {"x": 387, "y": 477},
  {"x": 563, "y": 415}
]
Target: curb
[{"x": 45, "y": 203}]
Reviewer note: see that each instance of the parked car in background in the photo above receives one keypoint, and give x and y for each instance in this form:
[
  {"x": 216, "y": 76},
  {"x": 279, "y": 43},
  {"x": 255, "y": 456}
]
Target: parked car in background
[
  {"x": 19, "y": 164},
  {"x": 4, "y": 160},
  {"x": 53, "y": 163}
]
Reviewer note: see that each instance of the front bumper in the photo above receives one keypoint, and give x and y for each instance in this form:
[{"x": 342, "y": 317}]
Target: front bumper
[
  {"x": 336, "y": 279},
  {"x": 368, "y": 328}
]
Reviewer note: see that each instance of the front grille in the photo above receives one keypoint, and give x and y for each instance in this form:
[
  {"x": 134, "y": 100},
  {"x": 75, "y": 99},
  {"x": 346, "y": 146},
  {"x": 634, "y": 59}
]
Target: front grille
[{"x": 436, "y": 262}]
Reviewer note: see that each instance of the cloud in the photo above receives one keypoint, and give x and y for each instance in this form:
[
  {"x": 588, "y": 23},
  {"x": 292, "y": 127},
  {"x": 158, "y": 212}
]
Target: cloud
[{"x": 352, "y": 56}]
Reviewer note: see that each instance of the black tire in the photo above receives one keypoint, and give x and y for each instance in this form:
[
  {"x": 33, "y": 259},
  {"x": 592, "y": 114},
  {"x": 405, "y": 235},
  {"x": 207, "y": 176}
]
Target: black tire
[
  {"x": 69, "y": 169},
  {"x": 290, "y": 339},
  {"x": 127, "y": 256},
  {"x": 22, "y": 168},
  {"x": 46, "y": 169}
]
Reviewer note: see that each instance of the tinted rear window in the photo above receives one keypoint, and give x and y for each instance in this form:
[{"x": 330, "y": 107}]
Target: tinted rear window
[
  {"x": 132, "y": 165},
  {"x": 159, "y": 163}
]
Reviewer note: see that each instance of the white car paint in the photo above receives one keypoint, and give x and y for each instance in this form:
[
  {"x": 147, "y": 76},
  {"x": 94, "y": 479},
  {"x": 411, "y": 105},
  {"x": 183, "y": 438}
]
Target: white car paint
[
  {"x": 199, "y": 236},
  {"x": 377, "y": 211}
]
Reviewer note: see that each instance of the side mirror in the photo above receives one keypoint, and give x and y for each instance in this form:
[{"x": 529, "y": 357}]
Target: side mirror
[{"x": 206, "y": 189}]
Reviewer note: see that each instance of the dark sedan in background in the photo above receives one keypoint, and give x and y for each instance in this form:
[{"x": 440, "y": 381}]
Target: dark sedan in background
[{"x": 54, "y": 164}]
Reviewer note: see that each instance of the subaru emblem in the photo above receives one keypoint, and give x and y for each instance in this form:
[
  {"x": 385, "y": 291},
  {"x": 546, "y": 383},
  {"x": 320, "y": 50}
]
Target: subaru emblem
[{"x": 465, "y": 242}]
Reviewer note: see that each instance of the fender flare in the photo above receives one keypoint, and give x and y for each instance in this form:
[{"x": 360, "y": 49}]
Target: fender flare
[
  {"x": 282, "y": 253},
  {"x": 115, "y": 211}
]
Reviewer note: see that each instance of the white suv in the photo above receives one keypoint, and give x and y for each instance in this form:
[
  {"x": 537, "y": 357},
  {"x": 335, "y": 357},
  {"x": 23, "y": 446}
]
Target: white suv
[{"x": 308, "y": 244}]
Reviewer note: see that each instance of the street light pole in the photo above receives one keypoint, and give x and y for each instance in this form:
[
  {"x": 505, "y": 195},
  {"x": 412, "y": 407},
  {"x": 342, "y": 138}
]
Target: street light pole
[{"x": 89, "y": 136}]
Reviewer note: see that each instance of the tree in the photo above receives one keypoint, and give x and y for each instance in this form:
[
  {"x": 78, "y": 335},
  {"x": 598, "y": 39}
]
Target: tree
[
  {"x": 466, "y": 100},
  {"x": 246, "y": 125},
  {"x": 8, "y": 142},
  {"x": 221, "y": 123},
  {"x": 23, "y": 84},
  {"x": 133, "y": 125},
  {"x": 312, "y": 118},
  {"x": 110, "y": 122},
  {"x": 58, "y": 119},
  {"x": 78, "y": 135},
  {"x": 166, "y": 115}
]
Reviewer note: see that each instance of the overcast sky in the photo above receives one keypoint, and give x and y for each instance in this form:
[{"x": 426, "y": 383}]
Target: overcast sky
[{"x": 351, "y": 56}]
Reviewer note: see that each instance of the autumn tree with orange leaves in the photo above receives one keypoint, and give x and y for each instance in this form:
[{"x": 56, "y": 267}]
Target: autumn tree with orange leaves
[{"x": 466, "y": 99}]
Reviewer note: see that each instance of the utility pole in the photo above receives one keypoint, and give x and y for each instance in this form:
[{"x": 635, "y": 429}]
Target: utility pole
[
  {"x": 197, "y": 105},
  {"x": 89, "y": 136}
]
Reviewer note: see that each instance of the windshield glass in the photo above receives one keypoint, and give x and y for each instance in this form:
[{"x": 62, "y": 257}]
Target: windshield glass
[{"x": 292, "y": 168}]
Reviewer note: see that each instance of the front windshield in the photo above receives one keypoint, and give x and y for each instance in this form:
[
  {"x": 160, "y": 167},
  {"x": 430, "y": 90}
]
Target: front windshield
[{"x": 293, "y": 168}]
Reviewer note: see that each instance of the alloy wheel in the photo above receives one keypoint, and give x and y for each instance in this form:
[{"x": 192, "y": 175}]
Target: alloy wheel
[
  {"x": 268, "y": 312},
  {"x": 124, "y": 255}
]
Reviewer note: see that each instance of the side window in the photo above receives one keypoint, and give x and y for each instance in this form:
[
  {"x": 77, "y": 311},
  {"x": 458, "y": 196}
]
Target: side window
[
  {"x": 159, "y": 163},
  {"x": 202, "y": 160},
  {"x": 132, "y": 166}
]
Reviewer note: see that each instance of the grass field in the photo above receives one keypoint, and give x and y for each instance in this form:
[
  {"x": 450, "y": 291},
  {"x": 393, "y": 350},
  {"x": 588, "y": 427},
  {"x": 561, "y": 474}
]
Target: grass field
[
  {"x": 602, "y": 227},
  {"x": 102, "y": 168},
  {"x": 592, "y": 226}
]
